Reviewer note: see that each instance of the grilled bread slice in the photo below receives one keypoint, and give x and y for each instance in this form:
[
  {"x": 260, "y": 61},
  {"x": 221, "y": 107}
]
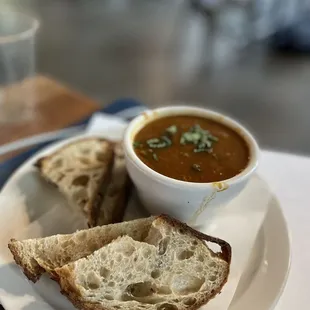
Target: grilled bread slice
[
  {"x": 37, "y": 256},
  {"x": 154, "y": 263},
  {"x": 81, "y": 171}
]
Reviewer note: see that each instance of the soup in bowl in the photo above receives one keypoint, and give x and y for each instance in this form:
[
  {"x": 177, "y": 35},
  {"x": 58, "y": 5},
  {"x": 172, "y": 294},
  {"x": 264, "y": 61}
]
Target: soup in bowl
[{"x": 186, "y": 161}]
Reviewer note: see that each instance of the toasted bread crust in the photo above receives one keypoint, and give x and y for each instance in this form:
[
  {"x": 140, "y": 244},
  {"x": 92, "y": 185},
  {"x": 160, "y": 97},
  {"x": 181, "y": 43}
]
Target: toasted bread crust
[
  {"x": 32, "y": 274},
  {"x": 93, "y": 206},
  {"x": 120, "y": 204},
  {"x": 80, "y": 304},
  {"x": 122, "y": 201},
  {"x": 225, "y": 254}
]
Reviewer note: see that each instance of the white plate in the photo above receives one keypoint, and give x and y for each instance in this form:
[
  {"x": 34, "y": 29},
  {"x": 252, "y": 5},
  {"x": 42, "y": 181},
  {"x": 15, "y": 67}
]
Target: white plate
[
  {"x": 265, "y": 277},
  {"x": 259, "y": 288}
]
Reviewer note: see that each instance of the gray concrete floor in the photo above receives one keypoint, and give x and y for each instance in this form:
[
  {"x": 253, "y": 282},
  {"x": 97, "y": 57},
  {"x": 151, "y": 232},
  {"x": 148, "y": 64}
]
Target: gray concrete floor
[{"x": 158, "y": 52}]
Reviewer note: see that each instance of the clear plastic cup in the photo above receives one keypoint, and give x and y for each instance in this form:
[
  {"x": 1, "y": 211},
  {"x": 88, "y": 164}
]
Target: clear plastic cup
[{"x": 17, "y": 65}]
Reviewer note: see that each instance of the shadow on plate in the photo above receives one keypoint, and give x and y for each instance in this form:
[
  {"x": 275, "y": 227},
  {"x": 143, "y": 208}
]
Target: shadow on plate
[{"x": 19, "y": 294}]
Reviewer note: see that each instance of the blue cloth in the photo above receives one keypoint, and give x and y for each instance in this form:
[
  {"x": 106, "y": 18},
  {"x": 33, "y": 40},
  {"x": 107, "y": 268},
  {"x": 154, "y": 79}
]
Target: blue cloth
[{"x": 9, "y": 166}]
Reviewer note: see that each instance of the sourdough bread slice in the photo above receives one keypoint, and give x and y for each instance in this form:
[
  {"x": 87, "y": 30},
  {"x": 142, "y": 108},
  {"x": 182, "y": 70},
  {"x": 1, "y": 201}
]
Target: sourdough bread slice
[
  {"x": 172, "y": 268},
  {"x": 82, "y": 171},
  {"x": 36, "y": 256},
  {"x": 118, "y": 192}
]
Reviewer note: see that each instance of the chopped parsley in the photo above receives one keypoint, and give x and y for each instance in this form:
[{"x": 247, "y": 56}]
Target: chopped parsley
[
  {"x": 202, "y": 139},
  {"x": 137, "y": 144},
  {"x": 155, "y": 156},
  {"x": 172, "y": 130},
  {"x": 159, "y": 143}
]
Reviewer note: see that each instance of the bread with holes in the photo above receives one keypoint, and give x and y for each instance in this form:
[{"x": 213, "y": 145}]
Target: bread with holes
[
  {"x": 166, "y": 266},
  {"x": 40, "y": 255},
  {"x": 81, "y": 170}
]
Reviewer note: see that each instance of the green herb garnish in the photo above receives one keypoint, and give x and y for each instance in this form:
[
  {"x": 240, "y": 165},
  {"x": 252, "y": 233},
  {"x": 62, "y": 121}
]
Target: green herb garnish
[
  {"x": 137, "y": 144},
  {"x": 202, "y": 139},
  {"x": 173, "y": 129},
  {"x": 164, "y": 140},
  {"x": 196, "y": 167},
  {"x": 203, "y": 150},
  {"x": 155, "y": 156},
  {"x": 213, "y": 138},
  {"x": 159, "y": 143},
  {"x": 167, "y": 140}
]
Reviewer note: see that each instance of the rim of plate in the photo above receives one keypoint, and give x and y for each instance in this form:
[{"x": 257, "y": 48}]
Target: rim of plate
[{"x": 279, "y": 271}]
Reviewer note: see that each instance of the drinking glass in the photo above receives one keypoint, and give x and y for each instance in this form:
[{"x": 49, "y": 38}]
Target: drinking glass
[{"x": 17, "y": 66}]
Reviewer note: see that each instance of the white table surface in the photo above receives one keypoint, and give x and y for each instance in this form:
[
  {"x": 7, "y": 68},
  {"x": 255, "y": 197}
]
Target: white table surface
[{"x": 289, "y": 178}]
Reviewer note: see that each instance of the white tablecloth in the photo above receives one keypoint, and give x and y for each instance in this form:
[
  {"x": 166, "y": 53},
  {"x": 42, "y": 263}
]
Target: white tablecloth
[{"x": 289, "y": 178}]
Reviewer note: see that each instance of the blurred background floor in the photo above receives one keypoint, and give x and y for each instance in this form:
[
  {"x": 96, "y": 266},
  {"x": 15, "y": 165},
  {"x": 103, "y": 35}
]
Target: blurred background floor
[{"x": 159, "y": 51}]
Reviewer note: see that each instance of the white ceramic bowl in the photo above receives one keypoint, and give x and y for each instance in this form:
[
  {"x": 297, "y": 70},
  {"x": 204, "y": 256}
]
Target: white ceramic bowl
[{"x": 180, "y": 199}]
